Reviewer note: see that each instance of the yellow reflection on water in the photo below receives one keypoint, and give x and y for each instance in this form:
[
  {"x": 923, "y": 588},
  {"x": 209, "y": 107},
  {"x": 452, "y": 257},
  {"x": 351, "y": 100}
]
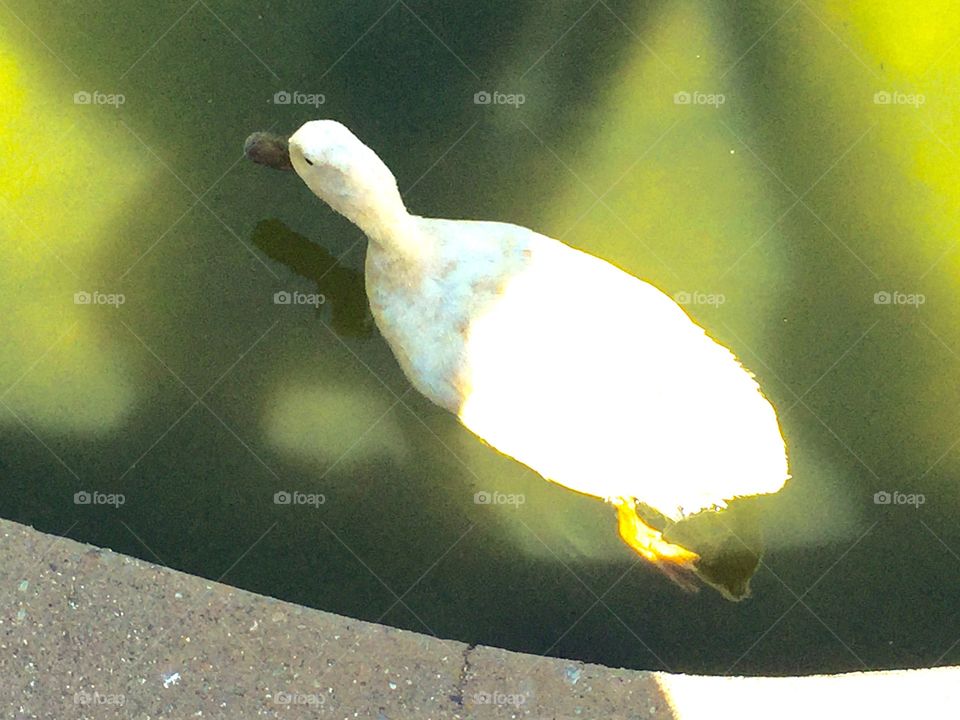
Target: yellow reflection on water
[
  {"x": 320, "y": 423},
  {"x": 915, "y": 53},
  {"x": 908, "y": 38},
  {"x": 64, "y": 173},
  {"x": 679, "y": 196}
]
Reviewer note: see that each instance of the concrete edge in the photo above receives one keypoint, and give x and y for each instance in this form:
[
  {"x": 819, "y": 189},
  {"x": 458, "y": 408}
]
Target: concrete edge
[{"x": 86, "y": 632}]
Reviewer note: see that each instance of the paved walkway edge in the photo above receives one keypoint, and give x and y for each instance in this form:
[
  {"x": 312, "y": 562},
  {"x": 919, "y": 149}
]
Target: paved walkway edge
[{"x": 89, "y": 633}]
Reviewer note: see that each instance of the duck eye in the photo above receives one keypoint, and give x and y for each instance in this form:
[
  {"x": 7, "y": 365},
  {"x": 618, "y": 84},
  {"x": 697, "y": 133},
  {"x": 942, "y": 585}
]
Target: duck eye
[{"x": 308, "y": 160}]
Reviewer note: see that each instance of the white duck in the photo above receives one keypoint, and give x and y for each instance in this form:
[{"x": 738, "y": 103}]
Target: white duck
[{"x": 593, "y": 378}]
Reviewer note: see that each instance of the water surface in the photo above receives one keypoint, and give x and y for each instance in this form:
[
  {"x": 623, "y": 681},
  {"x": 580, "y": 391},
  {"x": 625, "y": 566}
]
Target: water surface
[{"x": 740, "y": 159}]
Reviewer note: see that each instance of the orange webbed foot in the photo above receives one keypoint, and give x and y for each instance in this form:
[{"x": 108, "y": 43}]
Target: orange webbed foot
[{"x": 674, "y": 561}]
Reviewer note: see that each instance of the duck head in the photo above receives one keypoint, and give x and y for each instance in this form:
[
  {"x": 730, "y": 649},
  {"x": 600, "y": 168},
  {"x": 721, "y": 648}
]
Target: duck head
[{"x": 349, "y": 177}]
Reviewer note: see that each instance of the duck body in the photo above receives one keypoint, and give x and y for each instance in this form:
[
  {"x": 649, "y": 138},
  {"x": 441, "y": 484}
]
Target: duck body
[
  {"x": 593, "y": 378},
  {"x": 424, "y": 306}
]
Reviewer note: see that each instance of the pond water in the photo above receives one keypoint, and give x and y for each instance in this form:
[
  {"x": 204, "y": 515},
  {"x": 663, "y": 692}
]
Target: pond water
[{"x": 787, "y": 169}]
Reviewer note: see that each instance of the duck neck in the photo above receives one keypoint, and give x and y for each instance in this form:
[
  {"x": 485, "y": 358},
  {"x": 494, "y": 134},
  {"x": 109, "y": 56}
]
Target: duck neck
[{"x": 390, "y": 227}]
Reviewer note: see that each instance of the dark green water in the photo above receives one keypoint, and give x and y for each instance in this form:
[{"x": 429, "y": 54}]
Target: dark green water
[{"x": 199, "y": 398}]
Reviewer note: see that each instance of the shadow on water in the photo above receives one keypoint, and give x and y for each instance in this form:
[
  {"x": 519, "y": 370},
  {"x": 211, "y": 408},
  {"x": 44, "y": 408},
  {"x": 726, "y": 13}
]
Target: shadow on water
[
  {"x": 241, "y": 398},
  {"x": 349, "y": 312}
]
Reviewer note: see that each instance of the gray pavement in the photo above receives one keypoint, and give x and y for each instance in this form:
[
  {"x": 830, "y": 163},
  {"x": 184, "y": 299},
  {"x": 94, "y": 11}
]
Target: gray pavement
[{"x": 88, "y": 633}]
